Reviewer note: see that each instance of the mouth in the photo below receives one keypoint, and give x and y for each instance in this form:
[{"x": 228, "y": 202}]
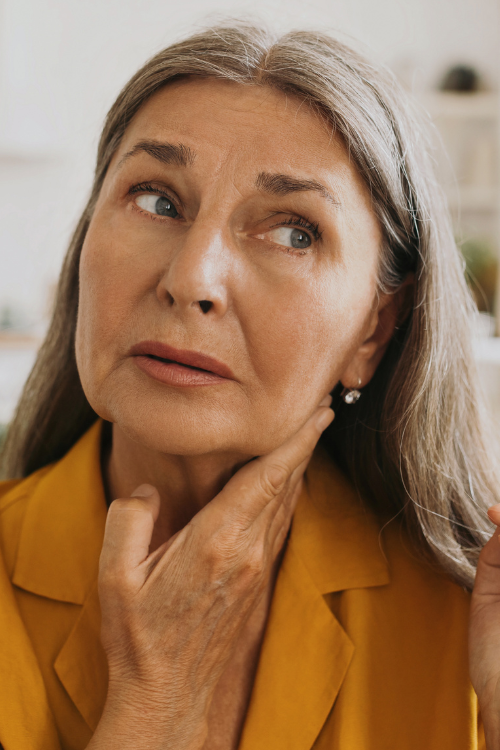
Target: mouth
[{"x": 179, "y": 367}]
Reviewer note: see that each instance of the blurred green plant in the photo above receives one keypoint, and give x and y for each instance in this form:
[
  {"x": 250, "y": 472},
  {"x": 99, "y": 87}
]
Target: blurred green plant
[
  {"x": 6, "y": 318},
  {"x": 3, "y": 433},
  {"x": 481, "y": 270}
]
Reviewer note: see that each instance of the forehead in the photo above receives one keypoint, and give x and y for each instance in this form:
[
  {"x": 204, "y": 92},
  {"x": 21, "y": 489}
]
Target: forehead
[{"x": 250, "y": 123}]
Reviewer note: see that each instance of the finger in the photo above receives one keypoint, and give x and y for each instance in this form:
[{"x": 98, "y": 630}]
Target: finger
[
  {"x": 487, "y": 581},
  {"x": 494, "y": 514},
  {"x": 250, "y": 490},
  {"x": 155, "y": 557},
  {"x": 129, "y": 528},
  {"x": 282, "y": 503},
  {"x": 280, "y": 511},
  {"x": 281, "y": 523},
  {"x": 280, "y": 464}
]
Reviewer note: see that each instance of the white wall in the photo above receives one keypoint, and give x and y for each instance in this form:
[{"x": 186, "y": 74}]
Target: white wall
[{"x": 62, "y": 63}]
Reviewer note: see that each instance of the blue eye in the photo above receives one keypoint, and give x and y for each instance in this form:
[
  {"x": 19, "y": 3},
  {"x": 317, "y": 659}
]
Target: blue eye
[
  {"x": 291, "y": 237},
  {"x": 157, "y": 204},
  {"x": 299, "y": 239}
]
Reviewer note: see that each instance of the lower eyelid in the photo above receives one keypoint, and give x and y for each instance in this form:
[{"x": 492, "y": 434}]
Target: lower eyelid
[{"x": 148, "y": 214}]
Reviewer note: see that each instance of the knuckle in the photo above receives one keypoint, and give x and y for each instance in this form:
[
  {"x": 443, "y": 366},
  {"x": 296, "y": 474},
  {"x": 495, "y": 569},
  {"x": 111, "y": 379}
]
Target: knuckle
[
  {"x": 253, "y": 567},
  {"x": 233, "y": 559},
  {"x": 213, "y": 555},
  {"x": 113, "y": 578},
  {"x": 274, "y": 478},
  {"x": 117, "y": 506},
  {"x": 222, "y": 550},
  {"x": 126, "y": 504}
]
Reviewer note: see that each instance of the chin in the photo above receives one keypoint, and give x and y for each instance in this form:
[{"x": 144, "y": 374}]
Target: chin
[
  {"x": 188, "y": 431},
  {"x": 190, "y": 422},
  {"x": 182, "y": 429}
]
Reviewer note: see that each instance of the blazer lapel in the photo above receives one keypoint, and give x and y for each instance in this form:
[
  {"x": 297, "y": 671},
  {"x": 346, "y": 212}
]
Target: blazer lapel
[
  {"x": 58, "y": 559},
  {"x": 26, "y": 722},
  {"x": 306, "y": 653},
  {"x": 63, "y": 527},
  {"x": 81, "y": 664},
  {"x": 304, "y": 658}
]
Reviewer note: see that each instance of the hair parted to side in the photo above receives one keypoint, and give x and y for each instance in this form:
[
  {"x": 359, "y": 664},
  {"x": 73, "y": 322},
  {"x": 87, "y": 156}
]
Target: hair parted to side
[{"x": 416, "y": 443}]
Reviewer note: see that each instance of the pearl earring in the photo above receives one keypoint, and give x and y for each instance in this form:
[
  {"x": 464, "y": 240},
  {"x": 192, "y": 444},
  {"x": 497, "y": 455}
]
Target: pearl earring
[{"x": 351, "y": 395}]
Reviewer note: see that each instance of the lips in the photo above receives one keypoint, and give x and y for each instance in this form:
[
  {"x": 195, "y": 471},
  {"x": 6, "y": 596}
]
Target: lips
[{"x": 169, "y": 355}]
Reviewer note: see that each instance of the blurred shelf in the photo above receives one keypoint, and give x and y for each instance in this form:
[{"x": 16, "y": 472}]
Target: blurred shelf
[
  {"x": 474, "y": 198},
  {"x": 487, "y": 350},
  {"x": 474, "y": 106},
  {"x": 468, "y": 167},
  {"x": 10, "y": 340}
]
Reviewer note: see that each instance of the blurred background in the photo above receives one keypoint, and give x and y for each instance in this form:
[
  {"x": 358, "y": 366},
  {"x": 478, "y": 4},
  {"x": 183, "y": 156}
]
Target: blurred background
[{"x": 62, "y": 63}]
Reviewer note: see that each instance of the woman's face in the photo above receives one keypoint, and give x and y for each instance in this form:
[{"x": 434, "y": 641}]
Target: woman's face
[{"x": 231, "y": 224}]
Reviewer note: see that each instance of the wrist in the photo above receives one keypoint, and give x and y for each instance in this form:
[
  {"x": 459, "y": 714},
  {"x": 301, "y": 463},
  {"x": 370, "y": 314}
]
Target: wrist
[
  {"x": 491, "y": 725},
  {"x": 136, "y": 718},
  {"x": 490, "y": 715}
]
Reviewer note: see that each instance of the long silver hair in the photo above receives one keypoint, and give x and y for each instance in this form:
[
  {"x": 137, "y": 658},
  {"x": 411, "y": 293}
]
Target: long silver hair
[{"x": 416, "y": 444}]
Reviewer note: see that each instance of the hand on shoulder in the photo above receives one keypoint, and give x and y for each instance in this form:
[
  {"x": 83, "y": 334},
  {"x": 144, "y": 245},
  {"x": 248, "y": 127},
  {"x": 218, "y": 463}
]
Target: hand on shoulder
[{"x": 484, "y": 635}]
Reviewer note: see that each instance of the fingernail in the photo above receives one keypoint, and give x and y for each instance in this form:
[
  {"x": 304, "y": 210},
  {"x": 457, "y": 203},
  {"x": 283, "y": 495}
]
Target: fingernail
[
  {"x": 324, "y": 419},
  {"x": 144, "y": 490},
  {"x": 326, "y": 401}
]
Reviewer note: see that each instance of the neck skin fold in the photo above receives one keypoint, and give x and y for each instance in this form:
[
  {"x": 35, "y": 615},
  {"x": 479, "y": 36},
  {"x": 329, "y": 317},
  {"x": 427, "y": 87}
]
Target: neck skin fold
[{"x": 185, "y": 483}]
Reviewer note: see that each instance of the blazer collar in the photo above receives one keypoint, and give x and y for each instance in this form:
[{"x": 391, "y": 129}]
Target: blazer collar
[
  {"x": 63, "y": 528},
  {"x": 333, "y": 546},
  {"x": 334, "y": 533},
  {"x": 25, "y": 716}
]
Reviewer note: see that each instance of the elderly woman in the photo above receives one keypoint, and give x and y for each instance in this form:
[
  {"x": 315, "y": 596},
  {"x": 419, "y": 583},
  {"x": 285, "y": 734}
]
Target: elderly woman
[{"x": 263, "y": 231}]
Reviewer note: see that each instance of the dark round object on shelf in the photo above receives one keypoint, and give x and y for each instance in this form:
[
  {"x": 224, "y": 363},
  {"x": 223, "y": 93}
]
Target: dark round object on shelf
[{"x": 460, "y": 78}]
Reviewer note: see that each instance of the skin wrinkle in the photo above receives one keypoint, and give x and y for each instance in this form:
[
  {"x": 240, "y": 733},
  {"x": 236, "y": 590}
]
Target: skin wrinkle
[
  {"x": 224, "y": 228},
  {"x": 283, "y": 184},
  {"x": 289, "y": 324},
  {"x": 269, "y": 271},
  {"x": 166, "y": 153}
]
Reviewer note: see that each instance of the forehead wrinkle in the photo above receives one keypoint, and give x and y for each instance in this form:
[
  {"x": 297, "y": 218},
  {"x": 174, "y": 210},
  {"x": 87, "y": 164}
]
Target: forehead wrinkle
[
  {"x": 282, "y": 184},
  {"x": 167, "y": 153}
]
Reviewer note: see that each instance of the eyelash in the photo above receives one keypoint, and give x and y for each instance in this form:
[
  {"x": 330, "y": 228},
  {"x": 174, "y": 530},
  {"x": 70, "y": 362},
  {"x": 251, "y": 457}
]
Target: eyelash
[
  {"x": 300, "y": 221},
  {"x": 294, "y": 221}
]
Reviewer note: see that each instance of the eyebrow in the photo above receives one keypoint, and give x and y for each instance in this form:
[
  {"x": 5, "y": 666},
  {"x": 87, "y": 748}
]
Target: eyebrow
[
  {"x": 183, "y": 156},
  {"x": 168, "y": 153},
  {"x": 283, "y": 184}
]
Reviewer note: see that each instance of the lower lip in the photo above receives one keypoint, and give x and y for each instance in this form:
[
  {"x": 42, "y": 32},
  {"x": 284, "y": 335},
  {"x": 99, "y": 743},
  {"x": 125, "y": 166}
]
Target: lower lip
[{"x": 174, "y": 374}]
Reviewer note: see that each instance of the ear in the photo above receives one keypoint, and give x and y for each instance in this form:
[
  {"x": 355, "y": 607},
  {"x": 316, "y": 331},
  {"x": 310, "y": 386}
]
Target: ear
[{"x": 392, "y": 310}]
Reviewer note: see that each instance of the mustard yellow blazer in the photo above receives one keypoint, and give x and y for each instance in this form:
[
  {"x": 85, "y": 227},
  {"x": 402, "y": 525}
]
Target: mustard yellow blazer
[{"x": 365, "y": 648}]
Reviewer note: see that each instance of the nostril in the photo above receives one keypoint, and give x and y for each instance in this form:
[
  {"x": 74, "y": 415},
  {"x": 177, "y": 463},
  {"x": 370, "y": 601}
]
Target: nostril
[{"x": 205, "y": 305}]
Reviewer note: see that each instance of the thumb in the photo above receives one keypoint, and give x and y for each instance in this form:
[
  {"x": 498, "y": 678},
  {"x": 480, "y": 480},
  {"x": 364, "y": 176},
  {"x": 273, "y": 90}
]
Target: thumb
[
  {"x": 129, "y": 528},
  {"x": 487, "y": 582}
]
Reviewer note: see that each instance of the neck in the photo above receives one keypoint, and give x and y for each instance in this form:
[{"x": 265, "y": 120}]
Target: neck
[{"x": 185, "y": 483}]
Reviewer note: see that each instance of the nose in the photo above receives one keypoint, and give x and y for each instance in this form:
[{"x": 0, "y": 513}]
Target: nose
[{"x": 195, "y": 279}]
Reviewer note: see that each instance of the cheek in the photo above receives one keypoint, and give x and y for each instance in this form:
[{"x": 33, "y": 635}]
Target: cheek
[
  {"x": 301, "y": 341},
  {"x": 106, "y": 291}
]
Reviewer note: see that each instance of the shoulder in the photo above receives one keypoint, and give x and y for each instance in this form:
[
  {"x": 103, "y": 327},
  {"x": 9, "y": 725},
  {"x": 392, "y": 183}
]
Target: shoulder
[
  {"x": 349, "y": 549},
  {"x": 14, "y": 499},
  {"x": 420, "y": 594},
  {"x": 410, "y": 640}
]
